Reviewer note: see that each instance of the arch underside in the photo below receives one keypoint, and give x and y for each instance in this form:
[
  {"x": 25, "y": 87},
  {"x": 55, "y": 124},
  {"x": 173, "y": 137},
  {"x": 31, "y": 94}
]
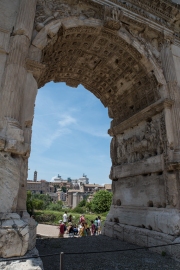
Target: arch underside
[{"x": 103, "y": 63}]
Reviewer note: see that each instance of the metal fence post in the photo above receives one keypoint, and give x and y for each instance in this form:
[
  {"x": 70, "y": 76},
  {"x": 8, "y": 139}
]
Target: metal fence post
[{"x": 61, "y": 260}]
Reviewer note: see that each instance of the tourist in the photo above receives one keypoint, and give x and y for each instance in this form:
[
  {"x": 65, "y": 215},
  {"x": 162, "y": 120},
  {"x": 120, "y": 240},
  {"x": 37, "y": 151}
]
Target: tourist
[
  {"x": 79, "y": 228},
  {"x": 96, "y": 224},
  {"x": 82, "y": 231},
  {"x": 93, "y": 228},
  {"x": 62, "y": 229},
  {"x": 88, "y": 230},
  {"x": 99, "y": 225},
  {"x": 75, "y": 229},
  {"x": 65, "y": 217},
  {"x": 70, "y": 218},
  {"x": 70, "y": 230},
  {"x": 82, "y": 219}
]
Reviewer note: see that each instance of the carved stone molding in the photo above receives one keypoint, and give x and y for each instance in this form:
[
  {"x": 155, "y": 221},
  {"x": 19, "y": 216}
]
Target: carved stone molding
[
  {"x": 149, "y": 111},
  {"x": 34, "y": 67}
]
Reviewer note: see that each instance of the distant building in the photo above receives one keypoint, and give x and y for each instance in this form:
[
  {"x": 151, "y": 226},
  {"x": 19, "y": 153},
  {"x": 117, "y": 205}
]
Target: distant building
[
  {"x": 108, "y": 187},
  {"x": 76, "y": 189},
  {"x": 61, "y": 195},
  {"x": 35, "y": 176},
  {"x": 38, "y": 187},
  {"x": 74, "y": 196}
]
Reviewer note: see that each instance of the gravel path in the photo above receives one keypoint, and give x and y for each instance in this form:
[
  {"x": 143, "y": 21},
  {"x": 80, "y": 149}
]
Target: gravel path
[{"x": 129, "y": 260}]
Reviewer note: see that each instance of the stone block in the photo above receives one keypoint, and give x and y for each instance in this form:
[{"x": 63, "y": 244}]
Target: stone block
[
  {"x": 12, "y": 89},
  {"x": 41, "y": 40},
  {"x": 3, "y": 58},
  {"x": 32, "y": 226},
  {"x": 130, "y": 234},
  {"x": 139, "y": 190},
  {"x": 150, "y": 165},
  {"x": 53, "y": 28},
  {"x": 35, "y": 53},
  {"x": 4, "y": 40},
  {"x": 30, "y": 92},
  {"x": 9, "y": 181},
  {"x": 160, "y": 239},
  {"x": 23, "y": 263},
  {"x": 119, "y": 231},
  {"x": 108, "y": 229},
  {"x": 141, "y": 237},
  {"x": 25, "y": 18},
  {"x": 14, "y": 237},
  {"x": 9, "y": 10},
  {"x": 19, "y": 46},
  {"x": 158, "y": 219}
]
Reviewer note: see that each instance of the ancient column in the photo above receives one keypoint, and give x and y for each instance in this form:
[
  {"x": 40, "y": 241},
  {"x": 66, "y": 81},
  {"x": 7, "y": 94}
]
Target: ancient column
[
  {"x": 17, "y": 92},
  {"x": 171, "y": 69}
]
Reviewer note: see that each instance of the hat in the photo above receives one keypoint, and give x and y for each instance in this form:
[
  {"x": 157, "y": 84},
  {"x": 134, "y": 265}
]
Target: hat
[
  {"x": 70, "y": 224},
  {"x": 60, "y": 221}
]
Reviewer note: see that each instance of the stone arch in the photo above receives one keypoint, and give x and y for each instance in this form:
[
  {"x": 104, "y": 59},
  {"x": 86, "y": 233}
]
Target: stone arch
[
  {"x": 128, "y": 56},
  {"x": 89, "y": 36}
]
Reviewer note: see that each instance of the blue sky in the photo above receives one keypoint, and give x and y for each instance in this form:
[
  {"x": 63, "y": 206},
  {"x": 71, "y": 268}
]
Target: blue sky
[{"x": 70, "y": 135}]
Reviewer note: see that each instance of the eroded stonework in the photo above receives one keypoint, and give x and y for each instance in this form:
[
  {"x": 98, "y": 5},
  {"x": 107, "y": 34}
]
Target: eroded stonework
[{"x": 127, "y": 53}]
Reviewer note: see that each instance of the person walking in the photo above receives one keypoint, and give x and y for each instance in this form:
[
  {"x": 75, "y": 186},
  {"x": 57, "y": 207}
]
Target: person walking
[
  {"x": 93, "y": 228},
  {"x": 65, "y": 218},
  {"x": 96, "y": 225},
  {"x": 70, "y": 218},
  {"x": 61, "y": 229},
  {"x": 70, "y": 230},
  {"x": 99, "y": 225}
]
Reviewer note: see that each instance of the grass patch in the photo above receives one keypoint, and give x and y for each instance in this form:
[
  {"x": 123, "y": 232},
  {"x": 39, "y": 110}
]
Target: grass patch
[{"x": 52, "y": 217}]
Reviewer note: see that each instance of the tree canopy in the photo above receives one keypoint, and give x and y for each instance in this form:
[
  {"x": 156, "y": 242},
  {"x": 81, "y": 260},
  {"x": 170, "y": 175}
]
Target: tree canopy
[{"x": 101, "y": 201}]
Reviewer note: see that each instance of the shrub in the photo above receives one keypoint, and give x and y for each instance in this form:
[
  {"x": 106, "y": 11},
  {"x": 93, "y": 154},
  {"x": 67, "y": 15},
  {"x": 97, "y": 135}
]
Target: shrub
[
  {"x": 54, "y": 207},
  {"x": 37, "y": 204},
  {"x": 29, "y": 204},
  {"x": 79, "y": 210},
  {"x": 82, "y": 203},
  {"x": 45, "y": 218},
  {"x": 101, "y": 201}
]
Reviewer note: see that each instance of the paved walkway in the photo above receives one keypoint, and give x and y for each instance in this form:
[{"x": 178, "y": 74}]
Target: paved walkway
[
  {"x": 129, "y": 260},
  {"x": 47, "y": 230}
]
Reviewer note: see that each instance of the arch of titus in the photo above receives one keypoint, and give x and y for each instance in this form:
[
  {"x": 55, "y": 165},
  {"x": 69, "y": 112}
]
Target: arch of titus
[{"x": 127, "y": 53}]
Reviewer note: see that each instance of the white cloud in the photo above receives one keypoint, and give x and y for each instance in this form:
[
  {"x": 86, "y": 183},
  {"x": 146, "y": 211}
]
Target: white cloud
[
  {"x": 52, "y": 179},
  {"x": 48, "y": 140},
  {"x": 67, "y": 120}
]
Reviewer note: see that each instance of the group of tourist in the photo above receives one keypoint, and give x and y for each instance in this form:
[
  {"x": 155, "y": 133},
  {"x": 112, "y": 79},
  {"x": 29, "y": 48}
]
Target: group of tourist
[{"x": 83, "y": 228}]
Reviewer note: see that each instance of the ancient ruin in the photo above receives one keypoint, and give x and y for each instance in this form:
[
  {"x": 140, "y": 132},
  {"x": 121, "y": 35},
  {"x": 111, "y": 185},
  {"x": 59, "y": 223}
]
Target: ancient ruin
[{"x": 127, "y": 53}]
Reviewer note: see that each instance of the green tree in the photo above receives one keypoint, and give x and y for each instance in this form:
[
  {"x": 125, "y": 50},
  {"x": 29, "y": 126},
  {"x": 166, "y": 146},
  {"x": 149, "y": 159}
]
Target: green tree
[
  {"x": 101, "y": 201},
  {"x": 43, "y": 197},
  {"x": 55, "y": 206},
  {"x": 89, "y": 206},
  {"x": 82, "y": 203},
  {"x": 64, "y": 189},
  {"x": 29, "y": 204},
  {"x": 38, "y": 204}
]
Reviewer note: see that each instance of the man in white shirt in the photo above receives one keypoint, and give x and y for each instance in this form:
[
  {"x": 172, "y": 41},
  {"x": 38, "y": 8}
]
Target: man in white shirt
[{"x": 65, "y": 217}]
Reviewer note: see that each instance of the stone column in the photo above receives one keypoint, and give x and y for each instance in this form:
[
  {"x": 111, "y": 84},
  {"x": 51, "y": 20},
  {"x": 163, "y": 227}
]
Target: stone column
[
  {"x": 171, "y": 73},
  {"x": 16, "y": 114}
]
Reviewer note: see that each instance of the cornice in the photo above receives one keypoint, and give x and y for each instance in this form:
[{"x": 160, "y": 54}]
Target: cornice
[
  {"x": 161, "y": 12},
  {"x": 149, "y": 111}
]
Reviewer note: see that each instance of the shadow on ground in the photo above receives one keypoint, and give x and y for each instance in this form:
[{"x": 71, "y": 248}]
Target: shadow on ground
[{"x": 136, "y": 260}]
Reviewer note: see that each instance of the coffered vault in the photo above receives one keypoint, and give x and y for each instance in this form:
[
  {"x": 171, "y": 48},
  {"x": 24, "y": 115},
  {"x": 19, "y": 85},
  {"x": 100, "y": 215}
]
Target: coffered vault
[{"x": 127, "y": 53}]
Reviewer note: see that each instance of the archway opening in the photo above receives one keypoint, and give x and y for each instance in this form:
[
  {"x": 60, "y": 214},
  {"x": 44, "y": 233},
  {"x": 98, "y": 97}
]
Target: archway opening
[{"x": 70, "y": 135}]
